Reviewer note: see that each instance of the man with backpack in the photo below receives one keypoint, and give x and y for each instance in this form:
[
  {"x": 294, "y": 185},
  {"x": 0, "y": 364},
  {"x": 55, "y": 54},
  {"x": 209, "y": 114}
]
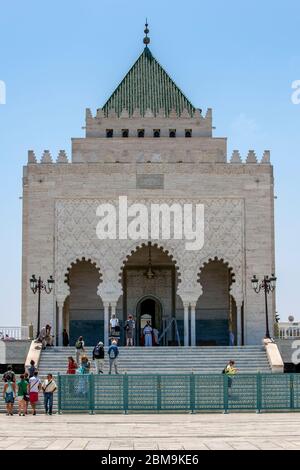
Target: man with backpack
[
  {"x": 79, "y": 346},
  {"x": 113, "y": 352},
  {"x": 9, "y": 392},
  {"x": 98, "y": 357},
  {"x": 129, "y": 329},
  {"x": 31, "y": 369}
]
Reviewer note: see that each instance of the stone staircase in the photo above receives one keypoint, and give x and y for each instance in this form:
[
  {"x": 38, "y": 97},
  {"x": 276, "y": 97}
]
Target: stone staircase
[
  {"x": 166, "y": 360},
  {"x": 162, "y": 360}
]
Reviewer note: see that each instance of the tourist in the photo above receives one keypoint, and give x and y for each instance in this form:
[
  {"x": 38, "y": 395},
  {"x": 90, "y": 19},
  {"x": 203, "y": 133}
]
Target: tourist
[
  {"x": 9, "y": 338},
  {"x": 129, "y": 329},
  {"x": 45, "y": 337},
  {"x": 148, "y": 334},
  {"x": 22, "y": 395},
  {"x": 230, "y": 371},
  {"x": 48, "y": 387},
  {"x": 9, "y": 375},
  {"x": 114, "y": 327},
  {"x": 26, "y": 398},
  {"x": 113, "y": 353},
  {"x": 231, "y": 338},
  {"x": 31, "y": 368},
  {"x": 80, "y": 385},
  {"x": 41, "y": 337},
  {"x": 9, "y": 392},
  {"x": 66, "y": 341},
  {"x": 98, "y": 357},
  {"x": 34, "y": 387},
  {"x": 72, "y": 366},
  {"x": 49, "y": 337},
  {"x": 85, "y": 364},
  {"x": 80, "y": 370},
  {"x": 79, "y": 346}
]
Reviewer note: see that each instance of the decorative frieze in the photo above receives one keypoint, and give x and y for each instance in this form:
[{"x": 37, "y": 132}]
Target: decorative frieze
[{"x": 76, "y": 222}]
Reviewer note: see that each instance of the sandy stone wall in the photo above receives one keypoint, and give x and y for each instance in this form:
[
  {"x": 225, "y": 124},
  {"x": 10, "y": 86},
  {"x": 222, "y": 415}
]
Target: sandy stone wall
[{"x": 59, "y": 216}]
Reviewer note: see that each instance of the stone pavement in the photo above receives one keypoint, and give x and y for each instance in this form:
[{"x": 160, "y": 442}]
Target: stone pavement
[{"x": 157, "y": 432}]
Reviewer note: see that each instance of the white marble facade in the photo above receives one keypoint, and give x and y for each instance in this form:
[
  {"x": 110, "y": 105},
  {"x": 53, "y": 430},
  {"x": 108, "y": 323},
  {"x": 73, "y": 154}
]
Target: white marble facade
[{"x": 59, "y": 217}]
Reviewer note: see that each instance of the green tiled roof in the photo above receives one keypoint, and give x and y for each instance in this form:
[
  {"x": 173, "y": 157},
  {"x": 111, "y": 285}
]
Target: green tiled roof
[{"x": 147, "y": 86}]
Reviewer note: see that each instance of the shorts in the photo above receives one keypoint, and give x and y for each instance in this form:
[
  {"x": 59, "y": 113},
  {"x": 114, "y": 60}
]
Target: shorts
[
  {"x": 20, "y": 398},
  {"x": 33, "y": 397},
  {"x": 9, "y": 397}
]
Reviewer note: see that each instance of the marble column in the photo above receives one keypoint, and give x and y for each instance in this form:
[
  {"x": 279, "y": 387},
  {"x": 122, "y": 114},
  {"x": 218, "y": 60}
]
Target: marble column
[
  {"x": 193, "y": 323},
  {"x": 113, "y": 306},
  {"x": 239, "y": 323},
  {"x": 60, "y": 306},
  {"x": 186, "y": 323},
  {"x": 106, "y": 323}
]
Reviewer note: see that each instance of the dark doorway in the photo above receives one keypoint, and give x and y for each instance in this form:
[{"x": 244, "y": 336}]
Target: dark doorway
[{"x": 148, "y": 309}]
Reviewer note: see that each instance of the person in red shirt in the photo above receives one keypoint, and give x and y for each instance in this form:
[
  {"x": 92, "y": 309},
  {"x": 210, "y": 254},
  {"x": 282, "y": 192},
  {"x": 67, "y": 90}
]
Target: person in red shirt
[{"x": 72, "y": 366}]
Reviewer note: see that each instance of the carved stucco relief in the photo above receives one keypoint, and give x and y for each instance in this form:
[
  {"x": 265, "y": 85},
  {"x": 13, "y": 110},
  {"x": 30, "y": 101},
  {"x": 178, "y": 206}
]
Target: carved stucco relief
[{"x": 76, "y": 222}]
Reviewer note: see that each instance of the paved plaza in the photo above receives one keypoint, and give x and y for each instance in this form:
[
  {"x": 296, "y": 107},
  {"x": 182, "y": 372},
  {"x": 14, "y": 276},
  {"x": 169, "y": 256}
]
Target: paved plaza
[{"x": 152, "y": 432}]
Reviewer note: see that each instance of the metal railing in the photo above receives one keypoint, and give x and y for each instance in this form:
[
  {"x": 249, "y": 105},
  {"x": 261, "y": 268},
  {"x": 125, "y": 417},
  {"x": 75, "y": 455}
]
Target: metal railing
[
  {"x": 14, "y": 332},
  {"x": 174, "y": 393}
]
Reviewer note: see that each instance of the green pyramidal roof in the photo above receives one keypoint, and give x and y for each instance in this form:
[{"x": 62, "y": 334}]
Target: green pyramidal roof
[{"x": 147, "y": 86}]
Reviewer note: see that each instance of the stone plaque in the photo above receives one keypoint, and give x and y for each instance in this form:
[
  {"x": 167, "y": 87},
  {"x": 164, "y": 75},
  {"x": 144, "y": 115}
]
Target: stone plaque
[{"x": 150, "y": 181}]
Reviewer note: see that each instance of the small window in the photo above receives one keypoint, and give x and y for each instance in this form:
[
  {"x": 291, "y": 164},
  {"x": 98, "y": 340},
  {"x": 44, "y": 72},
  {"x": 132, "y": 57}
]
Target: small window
[
  {"x": 156, "y": 132},
  {"x": 172, "y": 133},
  {"x": 141, "y": 133},
  {"x": 125, "y": 132},
  {"x": 109, "y": 133},
  {"x": 188, "y": 132}
]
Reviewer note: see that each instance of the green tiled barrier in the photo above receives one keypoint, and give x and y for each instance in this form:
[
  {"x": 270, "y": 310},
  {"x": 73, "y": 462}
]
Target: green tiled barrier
[{"x": 178, "y": 392}]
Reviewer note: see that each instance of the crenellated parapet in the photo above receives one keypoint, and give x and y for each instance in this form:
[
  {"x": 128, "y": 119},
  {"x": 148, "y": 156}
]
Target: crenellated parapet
[
  {"x": 31, "y": 157},
  {"x": 251, "y": 158},
  {"x": 62, "y": 157},
  {"x": 174, "y": 124},
  {"x": 119, "y": 154},
  {"x": 46, "y": 157}
]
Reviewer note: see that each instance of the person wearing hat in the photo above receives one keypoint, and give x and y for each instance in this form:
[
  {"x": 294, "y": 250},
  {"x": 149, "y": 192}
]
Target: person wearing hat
[{"x": 98, "y": 357}]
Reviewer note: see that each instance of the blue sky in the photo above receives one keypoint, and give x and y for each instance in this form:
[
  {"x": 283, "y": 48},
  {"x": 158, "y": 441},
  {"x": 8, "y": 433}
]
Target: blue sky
[{"x": 240, "y": 58}]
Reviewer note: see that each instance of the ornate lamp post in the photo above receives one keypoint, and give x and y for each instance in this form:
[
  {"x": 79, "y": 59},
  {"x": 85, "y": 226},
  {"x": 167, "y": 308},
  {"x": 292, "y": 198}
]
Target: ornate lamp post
[
  {"x": 267, "y": 284},
  {"x": 37, "y": 286}
]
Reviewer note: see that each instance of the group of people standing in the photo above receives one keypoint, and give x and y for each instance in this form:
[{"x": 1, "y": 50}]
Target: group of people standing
[
  {"x": 26, "y": 390},
  {"x": 115, "y": 329},
  {"x": 82, "y": 364},
  {"x": 149, "y": 334}
]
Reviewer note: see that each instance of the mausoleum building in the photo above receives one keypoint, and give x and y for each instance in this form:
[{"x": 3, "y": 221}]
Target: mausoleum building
[{"x": 149, "y": 145}]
